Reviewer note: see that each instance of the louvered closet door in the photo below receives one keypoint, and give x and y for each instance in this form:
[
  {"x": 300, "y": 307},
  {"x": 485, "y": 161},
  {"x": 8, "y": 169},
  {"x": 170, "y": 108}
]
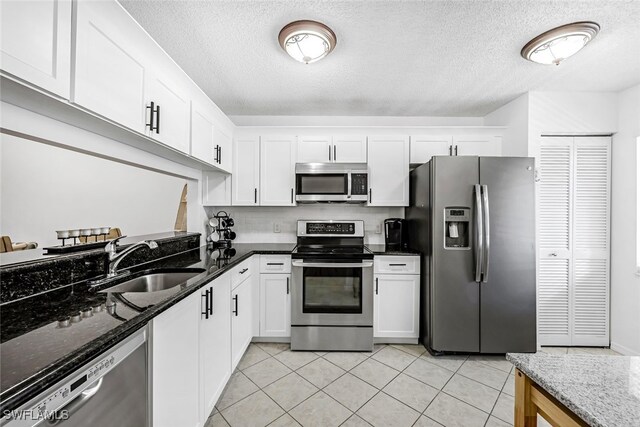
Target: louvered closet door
[
  {"x": 591, "y": 201},
  {"x": 573, "y": 239},
  {"x": 554, "y": 241}
]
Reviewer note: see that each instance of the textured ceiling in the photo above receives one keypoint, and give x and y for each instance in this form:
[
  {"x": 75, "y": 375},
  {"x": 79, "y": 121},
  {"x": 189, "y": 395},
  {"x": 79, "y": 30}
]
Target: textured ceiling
[{"x": 393, "y": 58}]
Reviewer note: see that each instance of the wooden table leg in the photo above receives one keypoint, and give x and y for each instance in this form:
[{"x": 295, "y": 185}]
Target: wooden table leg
[{"x": 525, "y": 411}]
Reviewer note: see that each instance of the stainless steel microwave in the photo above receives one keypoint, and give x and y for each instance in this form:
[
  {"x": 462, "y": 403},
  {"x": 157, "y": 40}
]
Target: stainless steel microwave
[{"x": 331, "y": 182}]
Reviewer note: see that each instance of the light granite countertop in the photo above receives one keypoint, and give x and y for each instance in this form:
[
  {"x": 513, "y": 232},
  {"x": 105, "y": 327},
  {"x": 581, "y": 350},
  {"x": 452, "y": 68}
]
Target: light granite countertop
[{"x": 602, "y": 390}]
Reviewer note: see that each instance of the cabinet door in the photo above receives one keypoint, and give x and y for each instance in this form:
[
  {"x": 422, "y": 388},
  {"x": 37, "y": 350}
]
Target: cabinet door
[
  {"x": 277, "y": 170},
  {"x": 241, "y": 321},
  {"x": 172, "y": 120},
  {"x": 246, "y": 171},
  {"x": 314, "y": 149},
  {"x": 350, "y": 149},
  {"x": 477, "y": 145},
  {"x": 109, "y": 72},
  {"x": 216, "y": 189},
  {"x": 223, "y": 141},
  {"x": 36, "y": 43},
  {"x": 202, "y": 131},
  {"x": 275, "y": 305},
  {"x": 215, "y": 343},
  {"x": 424, "y": 147},
  {"x": 174, "y": 365},
  {"x": 388, "y": 160},
  {"x": 396, "y": 306}
]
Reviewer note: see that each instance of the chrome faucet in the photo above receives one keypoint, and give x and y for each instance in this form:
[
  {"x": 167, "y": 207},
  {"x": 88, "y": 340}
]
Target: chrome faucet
[{"x": 115, "y": 258}]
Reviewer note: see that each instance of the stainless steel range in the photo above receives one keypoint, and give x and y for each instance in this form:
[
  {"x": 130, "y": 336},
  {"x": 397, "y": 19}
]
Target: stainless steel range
[{"x": 332, "y": 287}]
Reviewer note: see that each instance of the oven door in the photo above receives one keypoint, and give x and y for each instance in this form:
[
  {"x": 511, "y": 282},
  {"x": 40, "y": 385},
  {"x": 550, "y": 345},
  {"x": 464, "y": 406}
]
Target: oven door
[
  {"x": 322, "y": 187},
  {"x": 332, "y": 293}
]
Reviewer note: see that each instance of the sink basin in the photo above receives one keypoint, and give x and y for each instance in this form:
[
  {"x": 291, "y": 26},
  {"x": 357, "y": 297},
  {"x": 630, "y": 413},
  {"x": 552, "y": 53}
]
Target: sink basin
[{"x": 155, "y": 281}]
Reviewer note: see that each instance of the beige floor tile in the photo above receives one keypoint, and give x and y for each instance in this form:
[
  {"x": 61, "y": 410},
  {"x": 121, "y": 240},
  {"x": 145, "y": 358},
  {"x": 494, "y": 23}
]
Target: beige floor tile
[
  {"x": 320, "y": 353},
  {"x": 413, "y": 349},
  {"x": 296, "y": 359},
  {"x": 504, "y": 408},
  {"x": 554, "y": 350},
  {"x": 266, "y": 372},
  {"x": 374, "y": 372},
  {"x": 285, "y": 421},
  {"x": 253, "y": 411},
  {"x": 350, "y": 391},
  {"x": 452, "y": 412},
  {"x": 411, "y": 392},
  {"x": 510, "y": 386},
  {"x": 320, "y": 372},
  {"x": 320, "y": 410},
  {"x": 253, "y": 355},
  {"x": 238, "y": 387},
  {"x": 393, "y": 357},
  {"x": 484, "y": 374},
  {"x": 434, "y": 375},
  {"x": 426, "y": 422},
  {"x": 450, "y": 362},
  {"x": 593, "y": 351},
  {"x": 497, "y": 422},
  {"x": 216, "y": 420},
  {"x": 377, "y": 348},
  {"x": 290, "y": 390},
  {"x": 273, "y": 348},
  {"x": 355, "y": 421},
  {"x": 346, "y": 360},
  {"x": 498, "y": 362},
  {"x": 384, "y": 410},
  {"x": 472, "y": 392}
]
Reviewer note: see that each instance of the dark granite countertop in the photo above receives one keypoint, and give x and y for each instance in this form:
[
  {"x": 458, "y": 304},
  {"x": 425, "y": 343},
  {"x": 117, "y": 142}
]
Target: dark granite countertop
[
  {"x": 36, "y": 353},
  {"x": 380, "y": 249},
  {"x": 604, "y": 391}
]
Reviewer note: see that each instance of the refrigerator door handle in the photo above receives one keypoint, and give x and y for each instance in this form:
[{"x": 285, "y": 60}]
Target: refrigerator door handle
[
  {"x": 485, "y": 229},
  {"x": 479, "y": 234}
]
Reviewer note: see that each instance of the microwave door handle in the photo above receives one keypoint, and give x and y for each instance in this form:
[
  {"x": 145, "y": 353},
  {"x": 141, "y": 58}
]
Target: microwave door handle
[
  {"x": 349, "y": 184},
  {"x": 478, "y": 232},
  {"x": 365, "y": 264},
  {"x": 485, "y": 229}
]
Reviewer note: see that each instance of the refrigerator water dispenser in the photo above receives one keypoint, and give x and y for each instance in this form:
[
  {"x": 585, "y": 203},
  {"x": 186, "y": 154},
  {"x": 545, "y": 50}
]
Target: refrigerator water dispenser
[{"x": 456, "y": 227}]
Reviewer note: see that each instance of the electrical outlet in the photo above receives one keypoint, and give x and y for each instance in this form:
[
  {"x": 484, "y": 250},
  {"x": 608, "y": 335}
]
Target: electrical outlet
[
  {"x": 378, "y": 228},
  {"x": 277, "y": 227}
]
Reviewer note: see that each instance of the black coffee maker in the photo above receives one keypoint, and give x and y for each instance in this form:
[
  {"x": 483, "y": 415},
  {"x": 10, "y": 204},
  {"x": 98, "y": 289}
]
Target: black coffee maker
[{"x": 395, "y": 234}]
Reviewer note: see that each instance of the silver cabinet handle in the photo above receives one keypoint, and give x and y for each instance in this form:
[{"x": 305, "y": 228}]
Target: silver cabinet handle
[
  {"x": 365, "y": 264},
  {"x": 486, "y": 229},
  {"x": 479, "y": 244}
]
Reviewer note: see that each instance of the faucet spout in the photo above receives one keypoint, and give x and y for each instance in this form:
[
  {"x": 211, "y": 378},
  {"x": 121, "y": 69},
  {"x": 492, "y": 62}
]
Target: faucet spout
[{"x": 115, "y": 258}]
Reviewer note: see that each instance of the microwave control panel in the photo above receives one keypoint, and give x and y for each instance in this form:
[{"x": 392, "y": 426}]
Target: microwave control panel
[{"x": 359, "y": 184}]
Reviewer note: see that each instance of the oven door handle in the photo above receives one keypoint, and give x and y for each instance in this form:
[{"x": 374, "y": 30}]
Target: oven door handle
[{"x": 365, "y": 264}]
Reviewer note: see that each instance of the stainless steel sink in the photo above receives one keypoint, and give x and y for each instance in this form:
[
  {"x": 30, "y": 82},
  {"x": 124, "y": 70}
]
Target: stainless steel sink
[{"x": 155, "y": 281}]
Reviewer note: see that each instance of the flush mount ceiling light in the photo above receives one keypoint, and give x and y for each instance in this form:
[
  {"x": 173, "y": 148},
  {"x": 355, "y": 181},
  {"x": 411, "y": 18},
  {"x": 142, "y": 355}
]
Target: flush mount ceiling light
[
  {"x": 307, "y": 41},
  {"x": 556, "y": 45}
]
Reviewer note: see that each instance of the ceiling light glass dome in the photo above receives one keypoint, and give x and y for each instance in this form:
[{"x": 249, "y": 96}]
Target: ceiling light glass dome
[
  {"x": 307, "y": 41},
  {"x": 558, "y": 44}
]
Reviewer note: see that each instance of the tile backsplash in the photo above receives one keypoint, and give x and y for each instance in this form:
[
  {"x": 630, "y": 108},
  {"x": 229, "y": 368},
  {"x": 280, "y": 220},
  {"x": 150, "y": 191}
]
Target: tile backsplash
[{"x": 256, "y": 224}]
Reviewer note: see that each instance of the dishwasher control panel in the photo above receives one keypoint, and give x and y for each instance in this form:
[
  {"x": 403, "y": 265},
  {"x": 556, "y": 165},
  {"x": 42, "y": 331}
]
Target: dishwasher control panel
[{"x": 51, "y": 404}]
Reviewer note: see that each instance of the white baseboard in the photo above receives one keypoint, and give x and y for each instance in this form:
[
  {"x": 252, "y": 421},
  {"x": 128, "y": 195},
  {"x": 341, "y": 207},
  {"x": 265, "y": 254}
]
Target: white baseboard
[{"x": 624, "y": 350}]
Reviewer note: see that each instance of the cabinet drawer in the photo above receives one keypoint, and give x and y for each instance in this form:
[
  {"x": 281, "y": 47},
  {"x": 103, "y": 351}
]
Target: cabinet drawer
[
  {"x": 396, "y": 264},
  {"x": 241, "y": 272},
  {"x": 275, "y": 264}
]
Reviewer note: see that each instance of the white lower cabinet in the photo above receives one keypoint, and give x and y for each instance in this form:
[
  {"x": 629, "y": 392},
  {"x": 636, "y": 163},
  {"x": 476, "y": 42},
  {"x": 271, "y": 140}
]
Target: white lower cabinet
[
  {"x": 241, "y": 320},
  {"x": 275, "y": 305},
  {"x": 175, "y": 374},
  {"x": 215, "y": 343}
]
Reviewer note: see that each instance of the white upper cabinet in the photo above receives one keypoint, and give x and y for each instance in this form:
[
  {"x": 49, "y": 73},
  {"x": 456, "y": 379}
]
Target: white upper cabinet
[
  {"x": 423, "y": 147},
  {"x": 216, "y": 189},
  {"x": 167, "y": 108},
  {"x": 277, "y": 170},
  {"x": 245, "y": 177},
  {"x": 202, "y": 131},
  {"x": 388, "y": 160},
  {"x": 340, "y": 149},
  {"x": 109, "y": 68},
  {"x": 477, "y": 145},
  {"x": 349, "y": 149},
  {"x": 222, "y": 143},
  {"x": 314, "y": 149},
  {"x": 36, "y": 43}
]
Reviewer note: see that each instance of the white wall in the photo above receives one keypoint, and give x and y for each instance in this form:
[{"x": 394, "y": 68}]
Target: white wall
[
  {"x": 625, "y": 283},
  {"x": 256, "y": 224},
  {"x": 515, "y": 116}
]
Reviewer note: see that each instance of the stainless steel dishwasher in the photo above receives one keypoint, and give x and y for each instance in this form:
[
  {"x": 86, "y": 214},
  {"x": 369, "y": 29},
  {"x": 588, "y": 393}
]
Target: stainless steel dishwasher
[{"x": 111, "y": 390}]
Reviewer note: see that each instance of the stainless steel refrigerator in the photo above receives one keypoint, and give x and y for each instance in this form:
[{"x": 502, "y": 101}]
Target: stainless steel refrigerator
[{"x": 473, "y": 220}]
